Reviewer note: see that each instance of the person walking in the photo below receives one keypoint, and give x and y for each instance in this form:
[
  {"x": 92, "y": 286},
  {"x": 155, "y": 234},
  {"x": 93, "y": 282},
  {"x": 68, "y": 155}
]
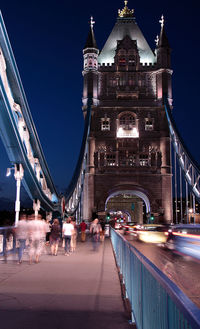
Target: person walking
[
  {"x": 95, "y": 229},
  {"x": 21, "y": 235},
  {"x": 102, "y": 232},
  {"x": 67, "y": 230},
  {"x": 36, "y": 232},
  {"x": 74, "y": 236},
  {"x": 83, "y": 228},
  {"x": 54, "y": 237}
]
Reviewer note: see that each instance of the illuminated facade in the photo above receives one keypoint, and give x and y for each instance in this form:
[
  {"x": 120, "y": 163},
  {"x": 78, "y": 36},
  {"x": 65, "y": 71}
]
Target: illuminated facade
[{"x": 129, "y": 144}]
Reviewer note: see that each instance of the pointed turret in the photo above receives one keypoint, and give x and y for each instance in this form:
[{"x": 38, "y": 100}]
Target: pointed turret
[
  {"x": 163, "y": 40},
  {"x": 163, "y": 52},
  {"x": 91, "y": 42},
  {"x": 163, "y": 47},
  {"x": 90, "y": 70}
]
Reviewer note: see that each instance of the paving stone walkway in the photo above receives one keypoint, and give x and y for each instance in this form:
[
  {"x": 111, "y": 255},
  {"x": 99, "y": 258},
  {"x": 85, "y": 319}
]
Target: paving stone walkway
[{"x": 81, "y": 291}]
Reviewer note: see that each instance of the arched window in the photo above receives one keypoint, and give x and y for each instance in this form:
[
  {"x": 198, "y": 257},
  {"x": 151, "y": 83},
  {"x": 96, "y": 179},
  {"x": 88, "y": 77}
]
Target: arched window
[
  {"x": 127, "y": 121},
  {"x": 127, "y": 127},
  {"x": 149, "y": 123},
  {"x": 105, "y": 123}
]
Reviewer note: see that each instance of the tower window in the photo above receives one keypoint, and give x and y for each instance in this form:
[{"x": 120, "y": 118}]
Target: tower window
[
  {"x": 105, "y": 124},
  {"x": 149, "y": 124},
  {"x": 122, "y": 61},
  {"x": 127, "y": 159},
  {"x": 127, "y": 127},
  {"x": 132, "y": 160},
  {"x": 110, "y": 159},
  {"x": 131, "y": 81},
  {"x": 127, "y": 121},
  {"x": 144, "y": 160},
  {"x": 112, "y": 82}
]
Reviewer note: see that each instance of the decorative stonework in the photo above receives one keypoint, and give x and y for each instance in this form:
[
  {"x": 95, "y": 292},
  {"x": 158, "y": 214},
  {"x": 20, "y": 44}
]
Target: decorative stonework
[
  {"x": 125, "y": 12},
  {"x": 129, "y": 137}
]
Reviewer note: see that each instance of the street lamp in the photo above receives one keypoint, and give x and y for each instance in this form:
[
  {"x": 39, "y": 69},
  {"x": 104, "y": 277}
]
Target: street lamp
[{"x": 18, "y": 174}]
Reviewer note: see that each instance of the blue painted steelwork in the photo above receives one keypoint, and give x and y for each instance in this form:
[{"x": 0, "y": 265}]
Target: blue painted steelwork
[
  {"x": 156, "y": 302},
  {"x": 74, "y": 192},
  {"x": 189, "y": 166},
  {"x": 18, "y": 131}
]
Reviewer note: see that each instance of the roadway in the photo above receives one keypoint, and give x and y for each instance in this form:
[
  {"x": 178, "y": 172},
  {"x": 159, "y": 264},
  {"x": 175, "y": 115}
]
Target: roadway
[{"x": 182, "y": 270}]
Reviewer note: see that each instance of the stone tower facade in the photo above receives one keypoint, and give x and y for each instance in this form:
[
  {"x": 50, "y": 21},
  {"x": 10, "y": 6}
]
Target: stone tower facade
[{"x": 129, "y": 143}]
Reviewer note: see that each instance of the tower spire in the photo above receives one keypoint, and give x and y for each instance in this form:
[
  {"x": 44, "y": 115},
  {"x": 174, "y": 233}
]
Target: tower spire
[
  {"x": 90, "y": 67},
  {"x": 91, "y": 42},
  {"x": 92, "y": 22},
  {"x": 162, "y": 21},
  {"x": 163, "y": 41}
]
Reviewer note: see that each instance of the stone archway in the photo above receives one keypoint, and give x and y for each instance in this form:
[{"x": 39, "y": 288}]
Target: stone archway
[{"x": 136, "y": 198}]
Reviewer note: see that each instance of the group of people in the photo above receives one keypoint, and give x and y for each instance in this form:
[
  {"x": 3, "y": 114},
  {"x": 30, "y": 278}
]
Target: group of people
[
  {"x": 31, "y": 232},
  {"x": 34, "y": 233}
]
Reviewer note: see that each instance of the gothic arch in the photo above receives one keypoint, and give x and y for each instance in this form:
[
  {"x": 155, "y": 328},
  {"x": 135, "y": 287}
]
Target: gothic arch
[
  {"x": 133, "y": 191},
  {"x": 123, "y": 113}
]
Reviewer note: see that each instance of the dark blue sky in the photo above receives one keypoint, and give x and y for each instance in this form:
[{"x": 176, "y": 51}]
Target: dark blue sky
[{"x": 47, "y": 38}]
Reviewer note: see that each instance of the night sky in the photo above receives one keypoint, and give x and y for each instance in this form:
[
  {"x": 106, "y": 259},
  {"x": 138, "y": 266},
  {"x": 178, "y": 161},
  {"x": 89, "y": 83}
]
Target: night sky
[{"x": 47, "y": 38}]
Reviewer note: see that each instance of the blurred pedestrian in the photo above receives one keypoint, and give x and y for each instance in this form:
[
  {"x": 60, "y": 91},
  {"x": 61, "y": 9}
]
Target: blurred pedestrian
[
  {"x": 83, "y": 228},
  {"x": 21, "y": 236},
  {"x": 55, "y": 236},
  {"x": 74, "y": 236},
  {"x": 95, "y": 229},
  {"x": 102, "y": 232},
  {"x": 67, "y": 230},
  {"x": 48, "y": 231},
  {"x": 36, "y": 233}
]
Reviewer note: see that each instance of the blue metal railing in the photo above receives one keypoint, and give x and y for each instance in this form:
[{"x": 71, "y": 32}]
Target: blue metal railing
[{"x": 156, "y": 302}]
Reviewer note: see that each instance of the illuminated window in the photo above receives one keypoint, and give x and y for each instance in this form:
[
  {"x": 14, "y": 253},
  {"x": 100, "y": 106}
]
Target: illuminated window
[
  {"x": 127, "y": 121},
  {"x": 110, "y": 159},
  {"x": 131, "y": 61},
  {"x": 105, "y": 124},
  {"x": 122, "y": 61},
  {"x": 127, "y": 127},
  {"x": 132, "y": 160},
  {"x": 127, "y": 159},
  {"x": 122, "y": 80},
  {"x": 144, "y": 160},
  {"x": 149, "y": 124}
]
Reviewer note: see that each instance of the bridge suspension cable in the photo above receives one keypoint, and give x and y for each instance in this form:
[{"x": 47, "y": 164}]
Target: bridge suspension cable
[
  {"x": 18, "y": 131},
  {"x": 189, "y": 170}
]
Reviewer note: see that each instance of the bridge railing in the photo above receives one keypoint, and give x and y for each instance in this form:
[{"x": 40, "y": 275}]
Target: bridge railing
[
  {"x": 156, "y": 302},
  {"x": 7, "y": 240}
]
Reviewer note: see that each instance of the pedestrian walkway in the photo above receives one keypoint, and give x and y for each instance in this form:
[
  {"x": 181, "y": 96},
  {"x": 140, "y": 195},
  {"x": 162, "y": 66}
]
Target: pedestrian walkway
[{"x": 81, "y": 291}]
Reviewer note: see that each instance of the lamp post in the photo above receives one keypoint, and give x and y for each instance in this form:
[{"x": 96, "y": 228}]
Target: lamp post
[
  {"x": 36, "y": 207},
  {"x": 18, "y": 174}
]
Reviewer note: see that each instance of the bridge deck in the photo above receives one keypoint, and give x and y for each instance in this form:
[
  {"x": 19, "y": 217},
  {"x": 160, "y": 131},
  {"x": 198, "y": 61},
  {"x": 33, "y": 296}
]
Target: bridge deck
[{"x": 79, "y": 291}]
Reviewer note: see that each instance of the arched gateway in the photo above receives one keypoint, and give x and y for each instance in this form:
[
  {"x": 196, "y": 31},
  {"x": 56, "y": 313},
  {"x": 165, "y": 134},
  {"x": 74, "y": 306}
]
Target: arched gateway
[
  {"x": 133, "y": 202},
  {"x": 129, "y": 143},
  {"x": 139, "y": 194}
]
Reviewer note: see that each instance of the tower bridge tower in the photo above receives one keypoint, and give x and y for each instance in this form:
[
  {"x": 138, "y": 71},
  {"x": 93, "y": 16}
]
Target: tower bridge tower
[{"x": 129, "y": 143}]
